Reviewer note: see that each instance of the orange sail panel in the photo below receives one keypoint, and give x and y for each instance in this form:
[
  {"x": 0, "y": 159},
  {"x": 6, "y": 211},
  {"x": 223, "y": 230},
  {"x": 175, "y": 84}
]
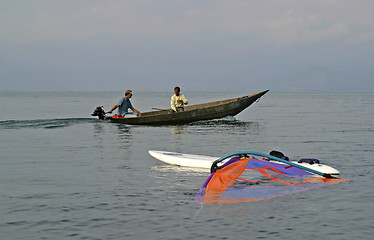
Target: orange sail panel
[{"x": 224, "y": 179}]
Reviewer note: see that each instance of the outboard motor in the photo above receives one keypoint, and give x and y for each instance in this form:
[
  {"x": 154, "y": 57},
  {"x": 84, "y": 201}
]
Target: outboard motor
[{"x": 99, "y": 112}]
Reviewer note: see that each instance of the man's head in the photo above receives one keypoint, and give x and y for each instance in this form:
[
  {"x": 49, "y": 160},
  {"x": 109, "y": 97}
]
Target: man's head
[
  {"x": 177, "y": 90},
  {"x": 128, "y": 93}
]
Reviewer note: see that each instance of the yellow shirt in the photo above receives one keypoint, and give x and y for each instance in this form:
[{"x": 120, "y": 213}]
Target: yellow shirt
[{"x": 174, "y": 101}]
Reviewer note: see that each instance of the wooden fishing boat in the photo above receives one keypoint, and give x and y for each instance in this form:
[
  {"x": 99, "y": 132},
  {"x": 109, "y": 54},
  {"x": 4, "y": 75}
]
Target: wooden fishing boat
[{"x": 198, "y": 112}]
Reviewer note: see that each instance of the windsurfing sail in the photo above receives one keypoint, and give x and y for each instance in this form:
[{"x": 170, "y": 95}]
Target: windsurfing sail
[{"x": 244, "y": 179}]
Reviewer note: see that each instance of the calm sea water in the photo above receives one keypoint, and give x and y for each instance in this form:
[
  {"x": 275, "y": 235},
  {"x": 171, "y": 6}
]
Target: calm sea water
[{"x": 65, "y": 175}]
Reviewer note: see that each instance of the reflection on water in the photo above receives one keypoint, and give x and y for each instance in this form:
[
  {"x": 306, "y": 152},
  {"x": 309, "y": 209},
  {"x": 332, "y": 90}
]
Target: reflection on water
[
  {"x": 119, "y": 137},
  {"x": 120, "y": 130},
  {"x": 228, "y": 126},
  {"x": 178, "y": 129},
  {"x": 177, "y": 133},
  {"x": 124, "y": 137},
  {"x": 123, "y": 130},
  {"x": 99, "y": 136}
]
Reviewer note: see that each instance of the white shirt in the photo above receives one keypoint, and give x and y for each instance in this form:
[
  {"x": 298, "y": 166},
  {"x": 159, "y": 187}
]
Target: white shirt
[{"x": 174, "y": 101}]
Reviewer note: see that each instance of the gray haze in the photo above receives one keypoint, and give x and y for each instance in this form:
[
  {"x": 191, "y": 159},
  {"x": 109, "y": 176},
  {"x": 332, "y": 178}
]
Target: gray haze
[{"x": 217, "y": 45}]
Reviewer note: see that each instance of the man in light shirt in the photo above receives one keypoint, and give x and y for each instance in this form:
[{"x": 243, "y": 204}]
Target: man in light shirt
[{"x": 178, "y": 100}]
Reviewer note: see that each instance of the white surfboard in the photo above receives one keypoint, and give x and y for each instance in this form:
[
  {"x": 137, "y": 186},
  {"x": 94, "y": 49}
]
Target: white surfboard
[
  {"x": 183, "y": 160},
  {"x": 200, "y": 161}
]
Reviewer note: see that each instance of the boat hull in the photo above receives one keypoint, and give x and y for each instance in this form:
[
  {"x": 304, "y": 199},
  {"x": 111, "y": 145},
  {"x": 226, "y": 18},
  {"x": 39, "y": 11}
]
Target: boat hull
[{"x": 205, "y": 111}]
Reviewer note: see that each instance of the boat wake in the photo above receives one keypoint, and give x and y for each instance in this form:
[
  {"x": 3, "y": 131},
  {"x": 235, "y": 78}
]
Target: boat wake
[{"x": 44, "y": 123}]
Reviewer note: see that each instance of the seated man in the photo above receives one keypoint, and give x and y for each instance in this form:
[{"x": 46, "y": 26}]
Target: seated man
[
  {"x": 178, "y": 101},
  {"x": 124, "y": 104}
]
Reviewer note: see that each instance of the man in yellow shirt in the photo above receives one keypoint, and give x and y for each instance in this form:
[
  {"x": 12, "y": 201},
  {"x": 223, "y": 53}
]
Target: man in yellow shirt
[{"x": 178, "y": 101}]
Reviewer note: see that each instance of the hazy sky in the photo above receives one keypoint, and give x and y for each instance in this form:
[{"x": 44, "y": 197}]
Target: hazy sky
[{"x": 217, "y": 45}]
